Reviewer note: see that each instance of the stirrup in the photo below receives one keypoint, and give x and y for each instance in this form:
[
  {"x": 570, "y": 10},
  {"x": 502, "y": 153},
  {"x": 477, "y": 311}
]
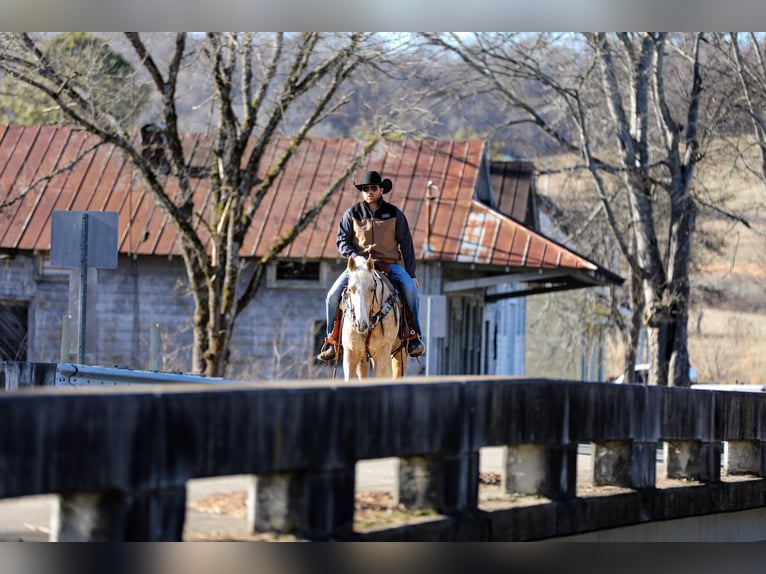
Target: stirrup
[
  {"x": 328, "y": 352},
  {"x": 415, "y": 347}
]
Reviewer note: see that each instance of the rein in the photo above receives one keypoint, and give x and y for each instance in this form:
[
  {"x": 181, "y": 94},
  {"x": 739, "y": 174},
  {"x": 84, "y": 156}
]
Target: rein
[{"x": 384, "y": 310}]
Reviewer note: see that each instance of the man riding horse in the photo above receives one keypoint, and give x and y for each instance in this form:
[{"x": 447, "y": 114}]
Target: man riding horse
[{"x": 374, "y": 227}]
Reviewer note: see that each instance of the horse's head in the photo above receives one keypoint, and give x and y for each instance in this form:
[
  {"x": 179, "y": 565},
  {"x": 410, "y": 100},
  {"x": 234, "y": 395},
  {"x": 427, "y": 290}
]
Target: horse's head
[{"x": 360, "y": 291}]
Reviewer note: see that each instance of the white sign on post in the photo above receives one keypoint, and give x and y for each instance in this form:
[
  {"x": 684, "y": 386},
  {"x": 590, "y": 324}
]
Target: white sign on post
[
  {"x": 433, "y": 317},
  {"x": 82, "y": 239}
]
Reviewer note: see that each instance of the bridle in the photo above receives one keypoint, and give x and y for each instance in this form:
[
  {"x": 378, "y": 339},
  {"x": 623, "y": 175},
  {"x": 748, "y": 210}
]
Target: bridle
[{"x": 383, "y": 307}]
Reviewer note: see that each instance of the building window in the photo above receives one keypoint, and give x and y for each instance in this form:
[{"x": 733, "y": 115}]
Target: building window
[
  {"x": 14, "y": 317},
  {"x": 295, "y": 273},
  {"x": 298, "y": 271}
]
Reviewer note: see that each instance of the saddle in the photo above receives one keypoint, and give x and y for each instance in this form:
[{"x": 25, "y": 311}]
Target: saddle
[{"x": 383, "y": 266}]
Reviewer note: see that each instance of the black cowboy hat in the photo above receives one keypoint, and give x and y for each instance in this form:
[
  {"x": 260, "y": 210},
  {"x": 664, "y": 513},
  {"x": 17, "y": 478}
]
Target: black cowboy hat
[{"x": 373, "y": 178}]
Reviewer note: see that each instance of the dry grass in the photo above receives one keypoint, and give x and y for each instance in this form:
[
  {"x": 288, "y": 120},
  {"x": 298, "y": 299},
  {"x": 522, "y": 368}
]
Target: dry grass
[
  {"x": 729, "y": 346},
  {"x": 727, "y": 316}
]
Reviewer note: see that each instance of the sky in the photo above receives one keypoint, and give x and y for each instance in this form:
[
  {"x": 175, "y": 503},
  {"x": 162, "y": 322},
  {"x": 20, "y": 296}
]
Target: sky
[{"x": 376, "y": 15}]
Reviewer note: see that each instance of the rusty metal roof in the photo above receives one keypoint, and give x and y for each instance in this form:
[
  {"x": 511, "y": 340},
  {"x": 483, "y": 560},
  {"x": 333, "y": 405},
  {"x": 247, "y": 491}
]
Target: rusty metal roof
[
  {"x": 462, "y": 228},
  {"x": 513, "y": 187}
]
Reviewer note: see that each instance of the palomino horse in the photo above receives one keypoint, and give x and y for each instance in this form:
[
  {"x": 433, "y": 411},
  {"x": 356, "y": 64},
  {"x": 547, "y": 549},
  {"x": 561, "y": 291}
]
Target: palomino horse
[{"x": 372, "y": 313}]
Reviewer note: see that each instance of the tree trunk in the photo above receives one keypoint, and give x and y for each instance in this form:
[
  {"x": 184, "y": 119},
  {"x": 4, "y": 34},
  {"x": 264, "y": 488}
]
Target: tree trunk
[
  {"x": 683, "y": 215},
  {"x": 633, "y": 331},
  {"x": 212, "y": 335}
]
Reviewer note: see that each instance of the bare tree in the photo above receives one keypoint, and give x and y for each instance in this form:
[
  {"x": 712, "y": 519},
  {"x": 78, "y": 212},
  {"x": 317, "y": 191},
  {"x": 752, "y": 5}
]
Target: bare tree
[
  {"x": 260, "y": 87},
  {"x": 745, "y": 54},
  {"x": 628, "y": 106}
]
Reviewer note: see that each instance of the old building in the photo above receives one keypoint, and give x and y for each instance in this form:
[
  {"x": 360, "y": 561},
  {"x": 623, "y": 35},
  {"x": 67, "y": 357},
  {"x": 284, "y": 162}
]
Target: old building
[{"x": 473, "y": 222}]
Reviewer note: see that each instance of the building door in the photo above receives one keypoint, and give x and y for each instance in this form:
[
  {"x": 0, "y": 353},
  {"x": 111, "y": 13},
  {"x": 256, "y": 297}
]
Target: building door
[
  {"x": 463, "y": 347},
  {"x": 14, "y": 323},
  {"x": 505, "y": 337}
]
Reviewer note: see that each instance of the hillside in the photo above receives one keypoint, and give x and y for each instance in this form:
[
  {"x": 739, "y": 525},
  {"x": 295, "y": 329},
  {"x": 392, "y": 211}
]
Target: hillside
[
  {"x": 727, "y": 316},
  {"x": 727, "y": 324}
]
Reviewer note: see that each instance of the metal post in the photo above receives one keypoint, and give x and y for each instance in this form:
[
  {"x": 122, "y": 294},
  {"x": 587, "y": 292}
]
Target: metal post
[
  {"x": 154, "y": 348},
  {"x": 66, "y": 321},
  {"x": 429, "y": 343},
  {"x": 429, "y": 202},
  {"x": 83, "y": 288}
]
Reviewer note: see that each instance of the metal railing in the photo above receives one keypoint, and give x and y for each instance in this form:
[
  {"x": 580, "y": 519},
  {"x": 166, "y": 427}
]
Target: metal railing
[{"x": 71, "y": 375}]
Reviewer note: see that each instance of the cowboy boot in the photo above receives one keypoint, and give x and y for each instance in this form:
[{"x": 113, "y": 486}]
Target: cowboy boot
[
  {"x": 415, "y": 346},
  {"x": 328, "y": 350},
  {"x": 332, "y": 341}
]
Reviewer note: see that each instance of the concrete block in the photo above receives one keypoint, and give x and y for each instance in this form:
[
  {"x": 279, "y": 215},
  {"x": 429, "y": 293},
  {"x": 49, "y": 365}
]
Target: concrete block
[
  {"x": 155, "y": 516},
  {"x": 274, "y": 503},
  {"x": 545, "y": 470},
  {"x": 693, "y": 460},
  {"x": 318, "y": 505},
  {"x": 448, "y": 484},
  {"x": 741, "y": 457},
  {"x": 682, "y": 459},
  {"x": 84, "y": 518},
  {"x": 419, "y": 482},
  {"x": 524, "y": 469},
  {"x": 628, "y": 464},
  {"x": 611, "y": 463}
]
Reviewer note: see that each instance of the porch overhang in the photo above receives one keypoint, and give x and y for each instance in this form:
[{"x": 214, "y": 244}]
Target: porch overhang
[{"x": 534, "y": 282}]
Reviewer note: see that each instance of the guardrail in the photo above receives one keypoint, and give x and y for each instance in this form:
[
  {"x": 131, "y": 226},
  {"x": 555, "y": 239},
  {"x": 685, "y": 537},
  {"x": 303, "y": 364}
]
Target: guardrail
[
  {"x": 71, "y": 375},
  {"x": 120, "y": 456}
]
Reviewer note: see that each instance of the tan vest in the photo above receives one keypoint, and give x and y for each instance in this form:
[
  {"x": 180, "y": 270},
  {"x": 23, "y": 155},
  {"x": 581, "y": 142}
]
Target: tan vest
[{"x": 382, "y": 234}]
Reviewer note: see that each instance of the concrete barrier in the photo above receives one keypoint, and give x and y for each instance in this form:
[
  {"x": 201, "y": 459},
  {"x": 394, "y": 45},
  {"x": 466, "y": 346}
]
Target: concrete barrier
[{"x": 120, "y": 457}]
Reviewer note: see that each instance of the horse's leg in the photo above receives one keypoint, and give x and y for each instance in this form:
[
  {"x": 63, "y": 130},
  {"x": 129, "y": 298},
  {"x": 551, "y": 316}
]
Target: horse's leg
[
  {"x": 382, "y": 366},
  {"x": 352, "y": 360},
  {"x": 399, "y": 363},
  {"x": 347, "y": 365},
  {"x": 363, "y": 368}
]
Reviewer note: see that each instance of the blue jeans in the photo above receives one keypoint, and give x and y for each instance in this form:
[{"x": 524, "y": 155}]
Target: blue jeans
[{"x": 402, "y": 281}]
